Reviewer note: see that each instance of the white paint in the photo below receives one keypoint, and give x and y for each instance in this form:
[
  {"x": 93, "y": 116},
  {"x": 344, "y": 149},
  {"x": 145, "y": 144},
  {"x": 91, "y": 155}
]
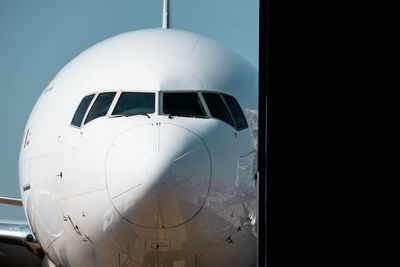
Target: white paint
[{"x": 130, "y": 182}]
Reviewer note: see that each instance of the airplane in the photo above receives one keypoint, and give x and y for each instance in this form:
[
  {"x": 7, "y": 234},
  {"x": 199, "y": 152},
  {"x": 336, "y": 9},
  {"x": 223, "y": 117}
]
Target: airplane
[{"x": 141, "y": 151}]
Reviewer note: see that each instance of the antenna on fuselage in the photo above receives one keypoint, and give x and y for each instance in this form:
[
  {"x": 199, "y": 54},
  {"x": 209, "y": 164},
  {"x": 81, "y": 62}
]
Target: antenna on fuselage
[{"x": 165, "y": 15}]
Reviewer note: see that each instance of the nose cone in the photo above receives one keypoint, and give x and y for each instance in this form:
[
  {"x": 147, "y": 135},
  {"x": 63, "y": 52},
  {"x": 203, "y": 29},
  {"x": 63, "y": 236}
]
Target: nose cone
[{"x": 158, "y": 175}]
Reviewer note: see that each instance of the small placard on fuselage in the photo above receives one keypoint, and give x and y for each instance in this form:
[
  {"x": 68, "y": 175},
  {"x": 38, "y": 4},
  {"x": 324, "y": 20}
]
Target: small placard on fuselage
[{"x": 157, "y": 245}]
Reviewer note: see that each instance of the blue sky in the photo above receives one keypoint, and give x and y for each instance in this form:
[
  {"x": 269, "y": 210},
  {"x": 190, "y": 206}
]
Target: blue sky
[{"x": 37, "y": 38}]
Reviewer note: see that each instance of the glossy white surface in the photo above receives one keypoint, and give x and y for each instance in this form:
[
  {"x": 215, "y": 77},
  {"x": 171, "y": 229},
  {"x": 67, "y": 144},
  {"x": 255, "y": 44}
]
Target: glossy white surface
[
  {"x": 150, "y": 174},
  {"x": 139, "y": 191}
]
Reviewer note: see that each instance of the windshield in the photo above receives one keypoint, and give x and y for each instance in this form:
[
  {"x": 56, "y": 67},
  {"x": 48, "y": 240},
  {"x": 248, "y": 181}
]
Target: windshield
[
  {"x": 80, "y": 112},
  {"x": 217, "y": 107},
  {"x": 236, "y": 111},
  {"x": 134, "y": 103},
  {"x": 100, "y": 106},
  {"x": 183, "y": 104}
]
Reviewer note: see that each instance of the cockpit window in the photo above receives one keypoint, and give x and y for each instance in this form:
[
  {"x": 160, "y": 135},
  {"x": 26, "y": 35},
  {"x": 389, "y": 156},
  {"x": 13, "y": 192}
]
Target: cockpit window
[
  {"x": 81, "y": 110},
  {"x": 135, "y": 103},
  {"x": 183, "y": 104},
  {"x": 236, "y": 111},
  {"x": 100, "y": 106},
  {"x": 217, "y": 107}
]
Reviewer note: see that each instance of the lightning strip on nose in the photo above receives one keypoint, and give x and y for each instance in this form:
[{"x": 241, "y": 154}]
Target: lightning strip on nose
[
  {"x": 126, "y": 190},
  {"x": 184, "y": 155}
]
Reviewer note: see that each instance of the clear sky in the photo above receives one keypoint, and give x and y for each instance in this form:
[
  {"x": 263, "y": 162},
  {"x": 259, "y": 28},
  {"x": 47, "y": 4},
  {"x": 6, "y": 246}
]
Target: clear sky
[{"x": 37, "y": 38}]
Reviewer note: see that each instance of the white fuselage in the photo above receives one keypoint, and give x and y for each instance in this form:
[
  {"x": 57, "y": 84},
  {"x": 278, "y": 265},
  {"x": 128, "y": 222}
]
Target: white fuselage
[{"x": 152, "y": 190}]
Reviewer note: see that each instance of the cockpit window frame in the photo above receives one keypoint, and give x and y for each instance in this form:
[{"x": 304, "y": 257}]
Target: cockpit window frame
[
  {"x": 202, "y": 103},
  {"x": 205, "y": 106},
  {"x": 158, "y": 108},
  {"x": 87, "y": 109},
  {"x": 227, "y": 107},
  {"x": 119, "y": 92},
  {"x": 108, "y": 111},
  {"x": 113, "y": 103},
  {"x": 230, "y": 112},
  {"x": 233, "y": 125}
]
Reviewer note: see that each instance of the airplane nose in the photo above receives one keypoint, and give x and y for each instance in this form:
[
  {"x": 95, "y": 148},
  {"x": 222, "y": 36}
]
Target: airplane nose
[{"x": 158, "y": 174}]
